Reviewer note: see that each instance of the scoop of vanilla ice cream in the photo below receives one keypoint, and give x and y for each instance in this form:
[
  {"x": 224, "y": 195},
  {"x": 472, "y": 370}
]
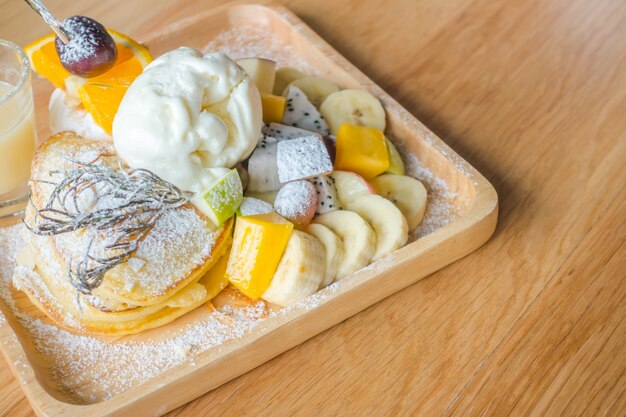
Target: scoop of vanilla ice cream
[
  {"x": 66, "y": 114},
  {"x": 187, "y": 116}
]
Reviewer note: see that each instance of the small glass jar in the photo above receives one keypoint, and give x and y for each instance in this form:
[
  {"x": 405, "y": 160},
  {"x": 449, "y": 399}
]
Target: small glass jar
[{"x": 18, "y": 133}]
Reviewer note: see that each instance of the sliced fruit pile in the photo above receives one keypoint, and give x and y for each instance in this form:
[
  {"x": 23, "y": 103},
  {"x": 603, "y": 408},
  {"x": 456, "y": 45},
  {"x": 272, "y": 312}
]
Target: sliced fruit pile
[
  {"x": 323, "y": 194},
  {"x": 102, "y": 94}
]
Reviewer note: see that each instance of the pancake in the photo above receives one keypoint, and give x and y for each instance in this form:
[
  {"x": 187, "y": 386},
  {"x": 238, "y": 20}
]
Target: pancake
[
  {"x": 173, "y": 254},
  {"x": 168, "y": 278},
  {"x": 49, "y": 290}
]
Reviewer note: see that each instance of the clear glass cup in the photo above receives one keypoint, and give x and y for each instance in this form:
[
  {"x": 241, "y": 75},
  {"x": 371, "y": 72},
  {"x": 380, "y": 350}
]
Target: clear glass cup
[{"x": 18, "y": 134}]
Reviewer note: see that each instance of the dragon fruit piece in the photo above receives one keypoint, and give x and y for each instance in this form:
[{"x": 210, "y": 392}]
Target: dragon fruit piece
[
  {"x": 262, "y": 169},
  {"x": 327, "y": 199},
  {"x": 251, "y": 206},
  {"x": 283, "y": 132},
  {"x": 297, "y": 202},
  {"x": 301, "y": 113},
  {"x": 302, "y": 158}
]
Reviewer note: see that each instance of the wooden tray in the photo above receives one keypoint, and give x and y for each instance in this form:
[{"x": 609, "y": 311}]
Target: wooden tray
[{"x": 474, "y": 199}]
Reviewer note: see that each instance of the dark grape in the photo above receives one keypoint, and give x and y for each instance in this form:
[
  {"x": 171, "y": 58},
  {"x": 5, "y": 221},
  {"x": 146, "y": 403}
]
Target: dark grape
[{"x": 91, "y": 51}]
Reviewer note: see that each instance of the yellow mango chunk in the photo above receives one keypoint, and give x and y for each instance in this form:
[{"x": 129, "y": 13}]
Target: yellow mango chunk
[
  {"x": 215, "y": 280},
  {"x": 273, "y": 108},
  {"x": 258, "y": 244},
  {"x": 362, "y": 150}
]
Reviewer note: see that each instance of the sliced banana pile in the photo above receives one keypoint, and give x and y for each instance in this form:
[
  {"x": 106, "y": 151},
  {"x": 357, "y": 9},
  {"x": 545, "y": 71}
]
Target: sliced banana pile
[{"x": 348, "y": 221}]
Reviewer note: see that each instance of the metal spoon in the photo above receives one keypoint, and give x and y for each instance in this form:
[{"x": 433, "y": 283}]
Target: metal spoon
[{"x": 52, "y": 21}]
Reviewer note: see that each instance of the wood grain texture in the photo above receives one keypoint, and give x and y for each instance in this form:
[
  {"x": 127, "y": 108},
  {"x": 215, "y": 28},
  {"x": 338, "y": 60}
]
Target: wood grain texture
[{"x": 533, "y": 94}]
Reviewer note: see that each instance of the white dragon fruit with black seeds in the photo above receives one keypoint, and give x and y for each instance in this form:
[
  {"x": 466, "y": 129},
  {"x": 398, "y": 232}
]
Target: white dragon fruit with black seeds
[
  {"x": 301, "y": 113},
  {"x": 284, "y": 132},
  {"x": 262, "y": 168},
  {"x": 327, "y": 199}
]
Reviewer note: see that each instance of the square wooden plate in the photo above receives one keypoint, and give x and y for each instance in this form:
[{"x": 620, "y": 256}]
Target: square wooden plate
[{"x": 475, "y": 202}]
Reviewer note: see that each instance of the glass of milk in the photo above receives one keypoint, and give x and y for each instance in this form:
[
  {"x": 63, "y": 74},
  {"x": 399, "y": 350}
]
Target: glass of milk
[{"x": 18, "y": 135}]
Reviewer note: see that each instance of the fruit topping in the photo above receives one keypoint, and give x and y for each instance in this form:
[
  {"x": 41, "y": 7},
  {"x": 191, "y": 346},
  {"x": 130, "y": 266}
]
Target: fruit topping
[
  {"x": 359, "y": 239},
  {"x": 301, "y": 113},
  {"x": 387, "y": 221},
  {"x": 262, "y": 169},
  {"x": 284, "y": 76},
  {"x": 251, "y": 206},
  {"x": 407, "y": 193},
  {"x": 282, "y": 132},
  {"x": 333, "y": 246},
  {"x": 262, "y": 71},
  {"x": 316, "y": 89},
  {"x": 396, "y": 165},
  {"x": 362, "y": 150},
  {"x": 100, "y": 95},
  {"x": 355, "y": 107},
  {"x": 327, "y": 199},
  {"x": 273, "y": 107},
  {"x": 297, "y": 202},
  {"x": 258, "y": 245},
  {"x": 300, "y": 271},
  {"x": 302, "y": 158},
  {"x": 350, "y": 185},
  {"x": 220, "y": 202},
  {"x": 91, "y": 50}
]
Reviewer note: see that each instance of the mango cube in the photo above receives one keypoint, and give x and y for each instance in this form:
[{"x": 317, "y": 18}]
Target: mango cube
[
  {"x": 273, "y": 108},
  {"x": 258, "y": 244},
  {"x": 362, "y": 150}
]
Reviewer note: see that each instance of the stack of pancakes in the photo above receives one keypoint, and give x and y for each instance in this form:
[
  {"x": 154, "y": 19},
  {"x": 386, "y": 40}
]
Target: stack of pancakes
[{"x": 174, "y": 269}]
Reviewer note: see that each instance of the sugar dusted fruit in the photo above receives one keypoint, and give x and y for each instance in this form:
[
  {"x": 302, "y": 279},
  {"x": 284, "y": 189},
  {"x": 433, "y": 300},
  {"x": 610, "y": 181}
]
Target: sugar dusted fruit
[
  {"x": 90, "y": 51},
  {"x": 297, "y": 202},
  {"x": 221, "y": 201},
  {"x": 362, "y": 150},
  {"x": 302, "y": 158},
  {"x": 258, "y": 245}
]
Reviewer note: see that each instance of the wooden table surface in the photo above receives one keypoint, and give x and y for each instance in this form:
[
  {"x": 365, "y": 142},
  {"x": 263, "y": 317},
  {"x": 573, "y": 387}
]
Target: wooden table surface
[{"x": 533, "y": 94}]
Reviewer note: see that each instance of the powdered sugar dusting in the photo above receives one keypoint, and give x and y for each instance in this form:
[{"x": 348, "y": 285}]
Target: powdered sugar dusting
[
  {"x": 302, "y": 158},
  {"x": 92, "y": 369},
  {"x": 256, "y": 41},
  {"x": 296, "y": 199}
]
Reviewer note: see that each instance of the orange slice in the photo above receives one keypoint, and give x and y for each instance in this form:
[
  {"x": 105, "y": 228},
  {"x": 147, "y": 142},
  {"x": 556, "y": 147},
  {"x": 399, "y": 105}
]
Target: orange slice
[{"x": 101, "y": 95}]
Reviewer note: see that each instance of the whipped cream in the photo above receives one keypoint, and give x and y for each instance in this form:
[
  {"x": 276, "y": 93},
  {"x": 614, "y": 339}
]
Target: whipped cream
[
  {"x": 187, "y": 117},
  {"x": 65, "y": 113}
]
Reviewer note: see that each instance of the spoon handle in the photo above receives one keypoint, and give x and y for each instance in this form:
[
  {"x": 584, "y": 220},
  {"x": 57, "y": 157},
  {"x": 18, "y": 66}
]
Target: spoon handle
[{"x": 52, "y": 21}]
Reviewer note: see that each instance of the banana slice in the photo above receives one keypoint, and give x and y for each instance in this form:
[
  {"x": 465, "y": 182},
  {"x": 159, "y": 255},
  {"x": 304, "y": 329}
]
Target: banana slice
[
  {"x": 392, "y": 231},
  {"x": 334, "y": 250},
  {"x": 355, "y": 107},
  {"x": 284, "y": 76},
  {"x": 299, "y": 272},
  {"x": 359, "y": 240},
  {"x": 407, "y": 193},
  {"x": 316, "y": 89}
]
